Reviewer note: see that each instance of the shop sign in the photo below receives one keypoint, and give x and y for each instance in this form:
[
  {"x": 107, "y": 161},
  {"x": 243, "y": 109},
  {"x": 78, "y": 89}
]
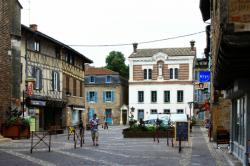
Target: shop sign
[
  {"x": 30, "y": 89},
  {"x": 200, "y": 85},
  {"x": 38, "y": 103},
  {"x": 204, "y": 76}
]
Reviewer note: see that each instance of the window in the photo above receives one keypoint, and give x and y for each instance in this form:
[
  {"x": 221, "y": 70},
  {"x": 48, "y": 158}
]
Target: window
[
  {"x": 140, "y": 96},
  {"x": 180, "y": 96},
  {"x": 92, "y": 96},
  {"x": 108, "y": 96},
  {"x": 21, "y": 69},
  {"x": 166, "y": 111},
  {"x": 67, "y": 85},
  {"x": 70, "y": 59},
  {"x": 174, "y": 73},
  {"x": 57, "y": 51},
  {"x": 36, "y": 46},
  {"x": 153, "y": 96},
  {"x": 74, "y": 87},
  {"x": 180, "y": 111},
  {"x": 92, "y": 79},
  {"x": 37, "y": 74},
  {"x": 166, "y": 96},
  {"x": 147, "y": 73},
  {"x": 154, "y": 111},
  {"x": 108, "y": 79},
  {"x": 55, "y": 81},
  {"x": 81, "y": 88},
  {"x": 140, "y": 114}
]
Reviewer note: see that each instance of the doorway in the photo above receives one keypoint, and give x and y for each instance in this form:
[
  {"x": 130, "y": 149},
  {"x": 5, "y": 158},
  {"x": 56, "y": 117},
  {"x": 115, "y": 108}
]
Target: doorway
[
  {"x": 108, "y": 113},
  {"x": 124, "y": 117}
]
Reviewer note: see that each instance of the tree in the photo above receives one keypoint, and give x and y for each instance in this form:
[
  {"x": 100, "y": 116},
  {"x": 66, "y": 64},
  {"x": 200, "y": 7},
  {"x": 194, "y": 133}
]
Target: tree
[{"x": 115, "y": 61}]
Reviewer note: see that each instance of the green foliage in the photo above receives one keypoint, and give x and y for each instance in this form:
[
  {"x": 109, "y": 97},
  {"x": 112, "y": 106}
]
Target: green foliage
[
  {"x": 17, "y": 121},
  {"x": 115, "y": 61},
  {"x": 136, "y": 127},
  {"x": 132, "y": 123}
]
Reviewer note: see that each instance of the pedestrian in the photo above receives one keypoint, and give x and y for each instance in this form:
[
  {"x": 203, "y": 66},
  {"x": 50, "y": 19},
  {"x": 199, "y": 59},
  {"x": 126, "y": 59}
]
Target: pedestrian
[
  {"x": 94, "y": 130},
  {"x": 82, "y": 128}
]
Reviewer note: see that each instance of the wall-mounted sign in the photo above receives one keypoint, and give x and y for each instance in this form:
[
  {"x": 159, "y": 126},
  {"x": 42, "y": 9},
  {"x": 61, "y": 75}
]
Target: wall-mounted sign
[
  {"x": 204, "y": 76},
  {"x": 38, "y": 103},
  {"x": 200, "y": 85},
  {"x": 30, "y": 89}
]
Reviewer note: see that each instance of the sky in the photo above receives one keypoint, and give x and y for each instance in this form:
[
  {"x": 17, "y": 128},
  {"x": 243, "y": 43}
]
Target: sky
[{"x": 107, "y": 22}]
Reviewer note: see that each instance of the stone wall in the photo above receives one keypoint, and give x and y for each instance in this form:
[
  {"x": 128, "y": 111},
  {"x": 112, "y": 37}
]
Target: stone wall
[{"x": 5, "y": 60}]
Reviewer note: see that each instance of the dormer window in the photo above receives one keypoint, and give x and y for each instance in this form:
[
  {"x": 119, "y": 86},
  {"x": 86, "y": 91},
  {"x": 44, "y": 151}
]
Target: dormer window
[
  {"x": 92, "y": 79},
  {"x": 36, "y": 46},
  {"x": 108, "y": 79}
]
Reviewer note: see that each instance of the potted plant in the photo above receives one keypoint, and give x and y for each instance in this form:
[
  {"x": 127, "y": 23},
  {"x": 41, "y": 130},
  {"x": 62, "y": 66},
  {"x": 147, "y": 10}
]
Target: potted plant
[{"x": 16, "y": 126}]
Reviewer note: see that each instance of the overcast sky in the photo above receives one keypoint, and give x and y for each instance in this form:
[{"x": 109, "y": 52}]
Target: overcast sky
[{"x": 90, "y": 22}]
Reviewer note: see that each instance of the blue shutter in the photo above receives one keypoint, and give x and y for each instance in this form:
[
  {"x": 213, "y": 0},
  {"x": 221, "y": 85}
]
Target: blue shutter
[
  {"x": 87, "y": 96},
  {"x": 112, "y": 96},
  {"x": 95, "y": 96},
  {"x": 104, "y": 96}
]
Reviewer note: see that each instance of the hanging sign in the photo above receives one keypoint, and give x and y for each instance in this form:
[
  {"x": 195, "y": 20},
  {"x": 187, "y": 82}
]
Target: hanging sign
[{"x": 204, "y": 76}]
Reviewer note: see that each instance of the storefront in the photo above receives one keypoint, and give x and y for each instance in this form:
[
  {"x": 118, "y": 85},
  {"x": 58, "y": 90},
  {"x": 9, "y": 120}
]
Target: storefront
[
  {"x": 47, "y": 113},
  {"x": 240, "y": 128}
]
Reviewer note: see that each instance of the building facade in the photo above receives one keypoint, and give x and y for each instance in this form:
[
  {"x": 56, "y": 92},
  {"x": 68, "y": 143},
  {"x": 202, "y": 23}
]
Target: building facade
[
  {"x": 201, "y": 90},
  {"x": 49, "y": 63},
  {"x": 106, "y": 94},
  {"x": 161, "y": 81},
  {"x": 10, "y": 41},
  {"x": 230, "y": 46}
]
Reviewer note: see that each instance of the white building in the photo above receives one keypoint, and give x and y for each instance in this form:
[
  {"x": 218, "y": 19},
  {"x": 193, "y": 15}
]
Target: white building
[{"x": 161, "y": 81}]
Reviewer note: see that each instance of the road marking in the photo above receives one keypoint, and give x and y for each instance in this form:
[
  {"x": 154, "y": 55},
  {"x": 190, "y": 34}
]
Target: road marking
[
  {"x": 29, "y": 158},
  {"x": 196, "y": 164},
  {"x": 88, "y": 158},
  {"x": 196, "y": 155}
]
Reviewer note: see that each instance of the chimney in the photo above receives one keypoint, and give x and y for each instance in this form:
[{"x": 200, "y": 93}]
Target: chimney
[
  {"x": 135, "y": 47},
  {"x": 33, "y": 27},
  {"x": 192, "y": 42}
]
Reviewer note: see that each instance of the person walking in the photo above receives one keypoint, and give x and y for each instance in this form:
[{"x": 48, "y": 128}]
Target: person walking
[{"x": 94, "y": 129}]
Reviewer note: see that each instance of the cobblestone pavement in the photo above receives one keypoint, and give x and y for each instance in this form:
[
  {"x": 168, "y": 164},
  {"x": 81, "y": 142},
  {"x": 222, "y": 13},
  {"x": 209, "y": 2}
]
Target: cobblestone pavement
[{"x": 113, "y": 150}]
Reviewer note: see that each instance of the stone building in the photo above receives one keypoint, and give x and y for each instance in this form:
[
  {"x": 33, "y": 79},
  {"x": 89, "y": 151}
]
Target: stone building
[
  {"x": 10, "y": 32},
  {"x": 106, "y": 95},
  {"x": 58, "y": 74},
  {"x": 230, "y": 47},
  {"x": 161, "y": 81}
]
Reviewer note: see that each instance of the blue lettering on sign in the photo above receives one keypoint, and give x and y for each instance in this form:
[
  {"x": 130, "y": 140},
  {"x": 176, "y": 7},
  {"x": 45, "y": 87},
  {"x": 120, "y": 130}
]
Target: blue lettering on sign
[{"x": 204, "y": 76}]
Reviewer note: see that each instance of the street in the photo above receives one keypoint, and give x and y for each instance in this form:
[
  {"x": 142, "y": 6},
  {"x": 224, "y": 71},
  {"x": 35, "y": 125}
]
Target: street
[{"x": 113, "y": 150}]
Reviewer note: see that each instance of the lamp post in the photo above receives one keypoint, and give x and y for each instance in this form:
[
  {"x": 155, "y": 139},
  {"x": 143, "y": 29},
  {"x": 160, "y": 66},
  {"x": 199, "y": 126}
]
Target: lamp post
[
  {"x": 132, "y": 112},
  {"x": 190, "y": 107}
]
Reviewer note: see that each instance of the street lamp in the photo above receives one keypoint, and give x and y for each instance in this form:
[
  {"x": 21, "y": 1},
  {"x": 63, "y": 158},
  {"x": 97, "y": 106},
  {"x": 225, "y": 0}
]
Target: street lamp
[
  {"x": 190, "y": 107},
  {"x": 131, "y": 113}
]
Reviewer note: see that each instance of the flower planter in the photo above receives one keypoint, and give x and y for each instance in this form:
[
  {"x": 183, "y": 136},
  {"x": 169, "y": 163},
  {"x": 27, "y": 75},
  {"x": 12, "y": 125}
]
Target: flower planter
[
  {"x": 16, "y": 131},
  {"x": 147, "y": 134}
]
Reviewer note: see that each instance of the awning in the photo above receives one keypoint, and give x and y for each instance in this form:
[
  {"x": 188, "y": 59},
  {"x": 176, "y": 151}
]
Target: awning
[{"x": 79, "y": 108}]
